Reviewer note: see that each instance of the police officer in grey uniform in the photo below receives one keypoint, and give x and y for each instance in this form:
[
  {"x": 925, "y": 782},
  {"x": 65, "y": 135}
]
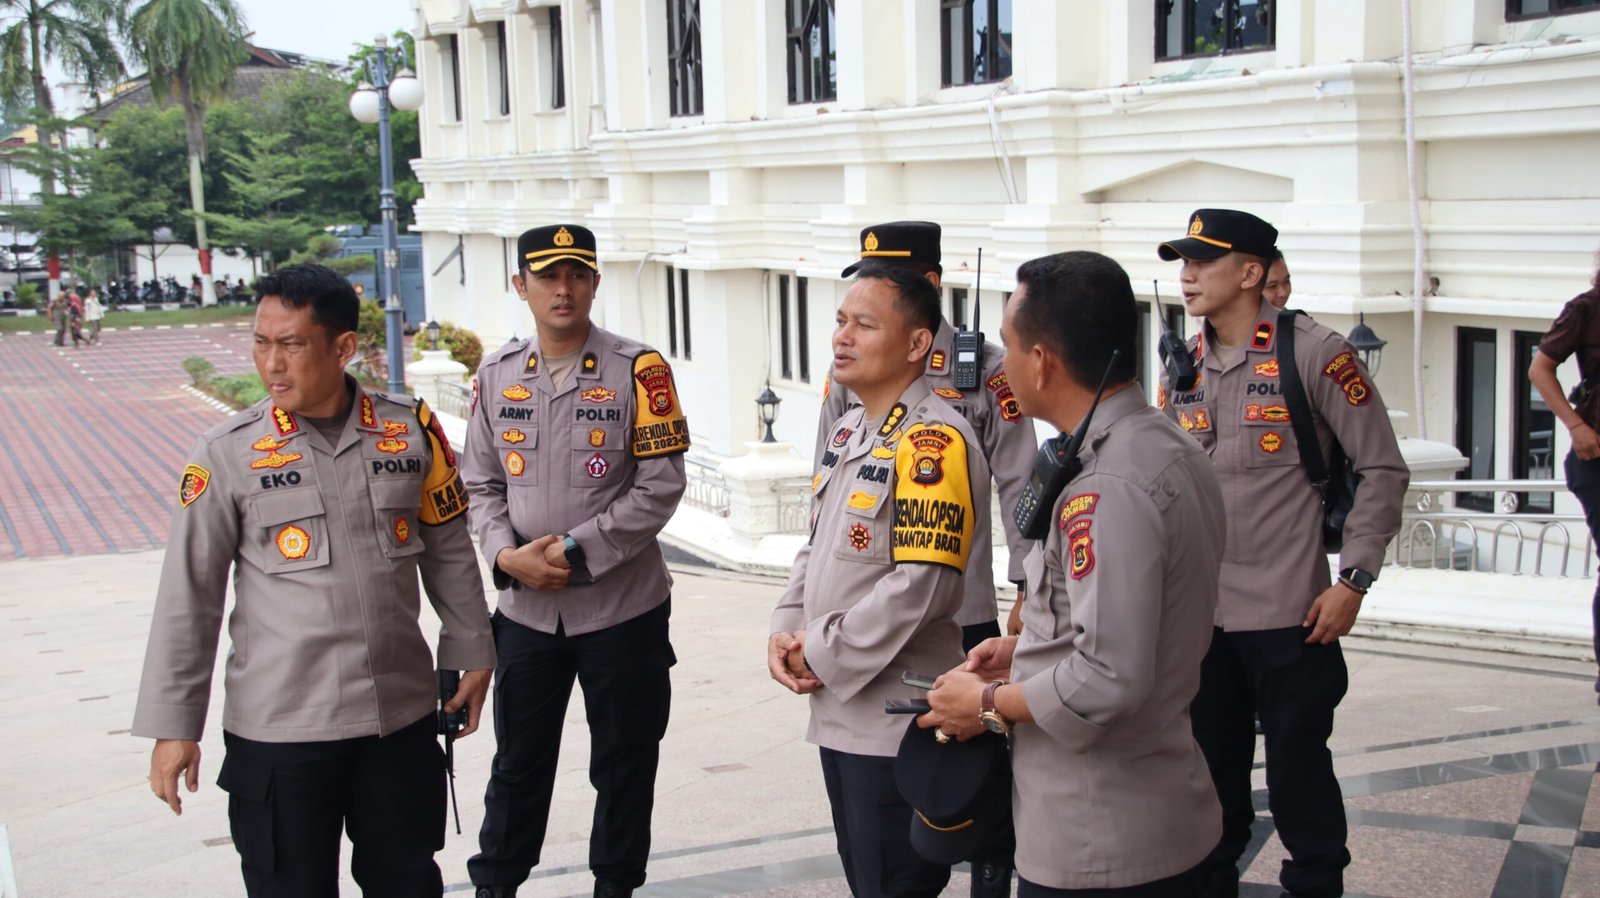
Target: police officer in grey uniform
[
  {"x": 1112, "y": 795},
  {"x": 574, "y": 460},
  {"x": 1006, "y": 437},
  {"x": 901, "y": 494},
  {"x": 1275, "y": 650},
  {"x": 325, "y": 501}
]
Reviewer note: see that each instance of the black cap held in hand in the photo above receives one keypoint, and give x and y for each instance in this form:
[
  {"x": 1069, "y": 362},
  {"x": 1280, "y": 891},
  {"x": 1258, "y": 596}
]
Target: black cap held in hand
[{"x": 953, "y": 790}]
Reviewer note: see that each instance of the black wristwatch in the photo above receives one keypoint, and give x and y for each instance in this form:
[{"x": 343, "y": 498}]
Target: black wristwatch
[
  {"x": 574, "y": 552},
  {"x": 1357, "y": 579}
]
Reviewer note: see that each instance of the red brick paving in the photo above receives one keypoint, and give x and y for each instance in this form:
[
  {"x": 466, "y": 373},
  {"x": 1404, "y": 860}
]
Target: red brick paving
[{"x": 92, "y": 440}]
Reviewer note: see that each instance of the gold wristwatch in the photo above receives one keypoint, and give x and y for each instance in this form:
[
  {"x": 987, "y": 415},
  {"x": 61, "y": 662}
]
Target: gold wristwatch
[{"x": 988, "y": 716}]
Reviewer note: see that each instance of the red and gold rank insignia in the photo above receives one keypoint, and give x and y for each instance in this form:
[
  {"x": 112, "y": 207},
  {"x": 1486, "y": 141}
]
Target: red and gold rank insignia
[
  {"x": 1263, "y": 337},
  {"x": 1202, "y": 421},
  {"x": 268, "y": 444},
  {"x": 827, "y": 384},
  {"x": 192, "y": 484},
  {"x": 391, "y": 445},
  {"x": 948, "y": 393},
  {"x": 657, "y": 381},
  {"x": 513, "y": 436},
  {"x": 1080, "y": 548},
  {"x": 936, "y": 360},
  {"x": 402, "y": 530},
  {"x": 862, "y": 500},
  {"x": 860, "y": 537},
  {"x": 1341, "y": 368},
  {"x": 395, "y": 428},
  {"x": 515, "y": 464},
  {"x": 1184, "y": 421},
  {"x": 1078, "y": 505},
  {"x": 276, "y": 460},
  {"x": 369, "y": 418},
  {"x": 591, "y": 363},
  {"x": 597, "y": 466},
  {"x": 284, "y": 422},
  {"x": 1271, "y": 443},
  {"x": 1252, "y": 412},
  {"x": 927, "y": 462},
  {"x": 597, "y": 437},
  {"x": 598, "y": 394},
  {"x": 816, "y": 482},
  {"x": 516, "y": 392},
  {"x": 293, "y": 542},
  {"x": 1277, "y": 414},
  {"x": 1267, "y": 368},
  {"x": 533, "y": 363},
  {"x": 1357, "y": 392},
  {"x": 1161, "y": 397}
]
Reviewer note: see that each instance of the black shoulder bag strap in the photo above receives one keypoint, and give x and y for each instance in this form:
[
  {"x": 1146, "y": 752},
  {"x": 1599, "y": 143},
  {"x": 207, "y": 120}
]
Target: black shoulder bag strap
[{"x": 1294, "y": 393}]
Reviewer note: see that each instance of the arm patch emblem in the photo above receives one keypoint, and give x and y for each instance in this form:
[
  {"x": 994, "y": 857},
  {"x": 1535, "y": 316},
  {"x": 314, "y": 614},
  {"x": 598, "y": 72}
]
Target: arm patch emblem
[
  {"x": 193, "y": 483},
  {"x": 444, "y": 497},
  {"x": 933, "y": 515},
  {"x": 659, "y": 427}
]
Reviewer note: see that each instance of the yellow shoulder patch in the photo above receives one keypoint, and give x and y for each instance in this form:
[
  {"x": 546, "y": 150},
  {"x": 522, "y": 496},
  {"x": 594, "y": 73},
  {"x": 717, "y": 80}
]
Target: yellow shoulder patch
[
  {"x": 193, "y": 483},
  {"x": 933, "y": 515},
  {"x": 659, "y": 427},
  {"x": 444, "y": 496}
]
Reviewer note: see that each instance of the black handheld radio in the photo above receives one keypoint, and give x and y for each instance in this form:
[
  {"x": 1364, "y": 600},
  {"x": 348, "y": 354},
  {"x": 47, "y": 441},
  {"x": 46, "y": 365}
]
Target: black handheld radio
[
  {"x": 450, "y": 723},
  {"x": 1175, "y": 356},
  {"x": 969, "y": 343},
  {"x": 1054, "y": 467}
]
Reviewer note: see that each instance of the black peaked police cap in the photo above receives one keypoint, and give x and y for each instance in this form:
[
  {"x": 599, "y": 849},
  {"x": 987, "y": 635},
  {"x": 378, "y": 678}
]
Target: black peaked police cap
[
  {"x": 953, "y": 789},
  {"x": 1213, "y": 233},
  {"x": 898, "y": 242},
  {"x": 540, "y": 248}
]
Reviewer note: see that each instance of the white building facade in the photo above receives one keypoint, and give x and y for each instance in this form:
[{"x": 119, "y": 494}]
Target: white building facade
[{"x": 727, "y": 152}]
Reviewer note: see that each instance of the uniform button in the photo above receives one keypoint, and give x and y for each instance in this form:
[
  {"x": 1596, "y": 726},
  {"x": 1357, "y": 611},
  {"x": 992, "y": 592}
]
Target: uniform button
[{"x": 1169, "y": 489}]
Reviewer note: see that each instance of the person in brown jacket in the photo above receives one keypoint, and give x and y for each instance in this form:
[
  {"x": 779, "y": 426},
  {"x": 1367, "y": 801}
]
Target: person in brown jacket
[
  {"x": 325, "y": 502},
  {"x": 574, "y": 460},
  {"x": 1576, "y": 331},
  {"x": 899, "y": 497},
  {"x": 1275, "y": 650}
]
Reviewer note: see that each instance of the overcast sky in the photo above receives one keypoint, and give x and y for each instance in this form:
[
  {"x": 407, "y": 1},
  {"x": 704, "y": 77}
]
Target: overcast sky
[{"x": 326, "y": 29}]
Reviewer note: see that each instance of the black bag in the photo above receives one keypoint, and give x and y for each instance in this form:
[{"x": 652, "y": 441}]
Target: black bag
[{"x": 1338, "y": 488}]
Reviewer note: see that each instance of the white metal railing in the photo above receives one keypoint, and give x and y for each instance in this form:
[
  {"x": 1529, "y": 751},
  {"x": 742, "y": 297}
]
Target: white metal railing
[
  {"x": 794, "y": 504},
  {"x": 453, "y": 398},
  {"x": 1504, "y": 540},
  {"x": 707, "y": 489}
]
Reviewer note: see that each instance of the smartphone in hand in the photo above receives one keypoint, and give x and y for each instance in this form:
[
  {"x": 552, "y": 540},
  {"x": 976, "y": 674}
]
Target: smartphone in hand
[{"x": 905, "y": 706}]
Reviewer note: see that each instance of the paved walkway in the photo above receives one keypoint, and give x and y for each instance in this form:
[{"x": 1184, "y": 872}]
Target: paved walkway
[{"x": 92, "y": 440}]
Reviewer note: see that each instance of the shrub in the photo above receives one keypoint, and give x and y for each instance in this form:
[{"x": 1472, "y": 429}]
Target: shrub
[
  {"x": 242, "y": 391},
  {"x": 27, "y": 296},
  {"x": 464, "y": 345},
  {"x": 201, "y": 370}
]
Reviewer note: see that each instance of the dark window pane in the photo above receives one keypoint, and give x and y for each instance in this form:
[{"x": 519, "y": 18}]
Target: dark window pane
[
  {"x": 1475, "y": 397},
  {"x": 505, "y": 72},
  {"x": 1187, "y": 28},
  {"x": 801, "y": 316},
  {"x": 958, "y": 307},
  {"x": 672, "y": 315},
  {"x": 787, "y": 365},
  {"x": 455, "y": 79},
  {"x": 558, "y": 64},
  {"x": 812, "y": 59},
  {"x": 683, "y": 299},
  {"x": 683, "y": 57},
  {"x": 1533, "y": 430}
]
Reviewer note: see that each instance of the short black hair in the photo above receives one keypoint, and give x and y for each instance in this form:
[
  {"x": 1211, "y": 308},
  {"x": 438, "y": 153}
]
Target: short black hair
[
  {"x": 332, "y": 300},
  {"x": 919, "y": 298},
  {"x": 1079, "y": 305}
]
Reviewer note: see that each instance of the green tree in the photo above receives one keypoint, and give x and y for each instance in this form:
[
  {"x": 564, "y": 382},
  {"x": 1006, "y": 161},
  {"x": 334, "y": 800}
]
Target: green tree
[
  {"x": 321, "y": 250},
  {"x": 190, "y": 48},
  {"x": 266, "y": 185}
]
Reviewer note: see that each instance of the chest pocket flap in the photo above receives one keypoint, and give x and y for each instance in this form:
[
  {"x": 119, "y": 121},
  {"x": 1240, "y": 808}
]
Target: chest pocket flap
[
  {"x": 395, "y": 504},
  {"x": 868, "y": 535},
  {"x": 291, "y": 530}
]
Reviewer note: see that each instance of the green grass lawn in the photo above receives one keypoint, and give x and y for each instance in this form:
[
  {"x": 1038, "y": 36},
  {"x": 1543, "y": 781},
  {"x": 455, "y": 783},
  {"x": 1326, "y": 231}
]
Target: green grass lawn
[{"x": 208, "y": 315}]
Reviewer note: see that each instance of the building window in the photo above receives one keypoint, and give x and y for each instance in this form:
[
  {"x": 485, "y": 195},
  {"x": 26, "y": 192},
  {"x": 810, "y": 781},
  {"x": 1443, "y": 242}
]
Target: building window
[
  {"x": 1533, "y": 434},
  {"x": 974, "y": 41},
  {"x": 1531, "y": 9},
  {"x": 958, "y": 307},
  {"x": 558, "y": 67},
  {"x": 683, "y": 57},
  {"x": 813, "y": 72},
  {"x": 678, "y": 343},
  {"x": 502, "y": 73},
  {"x": 1212, "y": 27},
  {"x": 1475, "y": 398},
  {"x": 453, "y": 50},
  {"x": 794, "y": 343}
]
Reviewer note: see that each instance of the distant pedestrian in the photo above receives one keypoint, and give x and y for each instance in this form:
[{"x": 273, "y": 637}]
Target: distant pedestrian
[
  {"x": 361, "y": 289},
  {"x": 75, "y": 315},
  {"x": 93, "y": 313},
  {"x": 61, "y": 314},
  {"x": 1277, "y": 287}
]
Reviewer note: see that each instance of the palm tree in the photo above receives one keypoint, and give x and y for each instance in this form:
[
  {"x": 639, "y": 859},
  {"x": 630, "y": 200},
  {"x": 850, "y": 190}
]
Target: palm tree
[
  {"x": 72, "y": 33},
  {"x": 190, "y": 49}
]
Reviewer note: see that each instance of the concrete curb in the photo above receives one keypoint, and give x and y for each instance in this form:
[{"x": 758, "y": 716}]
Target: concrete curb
[{"x": 212, "y": 401}]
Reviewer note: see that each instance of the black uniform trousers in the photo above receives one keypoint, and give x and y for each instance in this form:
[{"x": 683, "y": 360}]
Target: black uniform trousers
[
  {"x": 1183, "y": 885},
  {"x": 627, "y": 694},
  {"x": 288, "y": 801},
  {"x": 1295, "y": 688},
  {"x": 872, "y": 829},
  {"x": 999, "y": 844},
  {"x": 1583, "y": 479}
]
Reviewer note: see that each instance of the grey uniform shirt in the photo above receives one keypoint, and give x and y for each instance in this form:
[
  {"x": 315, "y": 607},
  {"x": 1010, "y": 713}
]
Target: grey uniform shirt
[
  {"x": 1007, "y": 440},
  {"x": 325, "y": 543},
  {"x": 1275, "y": 566},
  {"x": 899, "y": 508},
  {"x": 599, "y": 458},
  {"x": 1111, "y": 789}
]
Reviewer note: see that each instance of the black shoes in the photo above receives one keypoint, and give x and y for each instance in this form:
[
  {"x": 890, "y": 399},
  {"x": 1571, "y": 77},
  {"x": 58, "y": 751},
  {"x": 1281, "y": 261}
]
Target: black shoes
[
  {"x": 606, "y": 889},
  {"x": 991, "y": 881},
  {"x": 496, "y": 892}
]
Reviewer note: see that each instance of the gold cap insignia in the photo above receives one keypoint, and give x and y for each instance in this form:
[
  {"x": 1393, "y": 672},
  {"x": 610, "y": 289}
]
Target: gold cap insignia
[
  {"x": 1195, "y": 227},
  {"x": 871, "y": 243},
  {"x": 563, "y": 237}
]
